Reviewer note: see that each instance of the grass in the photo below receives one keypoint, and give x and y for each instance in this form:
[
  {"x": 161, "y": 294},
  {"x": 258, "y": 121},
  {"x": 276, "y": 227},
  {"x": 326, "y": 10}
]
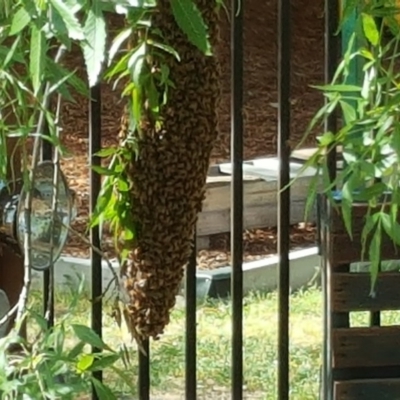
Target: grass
[{"x": 214, "y": 346}]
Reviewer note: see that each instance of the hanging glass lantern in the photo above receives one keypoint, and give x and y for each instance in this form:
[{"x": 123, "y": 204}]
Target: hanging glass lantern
[{"x": 49, "y": 228}]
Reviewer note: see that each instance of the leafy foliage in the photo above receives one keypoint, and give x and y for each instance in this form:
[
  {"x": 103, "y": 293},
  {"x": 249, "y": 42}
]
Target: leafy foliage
[
  {"x": 57, "y": 363},
  {"x": 31, "y": 32},
  {"x": 35, "y": 27},
  {"x": 370, "y": 129}
]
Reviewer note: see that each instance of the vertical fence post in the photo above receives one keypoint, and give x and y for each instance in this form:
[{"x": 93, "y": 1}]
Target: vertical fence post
[
  {"x": 144, "y": 372},
  {"x": 95, "y": 185},
  {"x": 48, "y": 274},
  {"x": 237, "y": 199},
  {"x": 191, "y": 329},
  {"x": 331, "y": 59},
  {"x": 284, "y": 44}
]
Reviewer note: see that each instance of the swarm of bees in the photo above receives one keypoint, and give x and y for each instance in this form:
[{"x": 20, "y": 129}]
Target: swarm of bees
[{"x": 169, "y": 176}]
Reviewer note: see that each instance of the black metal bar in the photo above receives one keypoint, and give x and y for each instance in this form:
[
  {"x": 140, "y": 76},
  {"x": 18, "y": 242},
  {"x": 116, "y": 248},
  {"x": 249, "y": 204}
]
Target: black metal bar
[
  {"x": 48, "y": 275},
  {"x": 47, "y": 154},
  {"x": 284, "y": 71},
  {"x": 237, "y": 198},
  {"x": 330, "y": 319},
  {"x": 331, "y": 59},
  {"x": 95, "y": 186},
  {"x": 144, "y": 372},
  {"x": 48, "y": 296},
  {"x": 191, "y": 328}
]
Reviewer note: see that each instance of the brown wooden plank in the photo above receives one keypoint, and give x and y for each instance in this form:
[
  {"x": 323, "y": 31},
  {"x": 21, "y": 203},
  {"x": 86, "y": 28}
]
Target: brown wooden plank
[
  {"x": 343, "y": 250},
  {"x": 351, "y": 292},
  {"x": 366, "y": 347},
  {"x": 211, "y": 223},
  {"x": 368, "y": 389}
]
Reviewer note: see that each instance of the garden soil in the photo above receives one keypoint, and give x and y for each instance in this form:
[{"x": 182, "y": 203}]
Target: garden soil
[{"x": 260, "y": 115}]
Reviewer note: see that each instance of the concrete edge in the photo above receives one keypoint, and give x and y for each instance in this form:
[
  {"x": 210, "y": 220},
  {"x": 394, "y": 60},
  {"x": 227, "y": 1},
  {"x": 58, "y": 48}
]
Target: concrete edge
[{"x": 257, "y": 275}]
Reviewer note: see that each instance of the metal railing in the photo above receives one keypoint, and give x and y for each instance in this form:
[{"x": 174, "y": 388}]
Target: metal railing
[{"x": 283, "y": 134}]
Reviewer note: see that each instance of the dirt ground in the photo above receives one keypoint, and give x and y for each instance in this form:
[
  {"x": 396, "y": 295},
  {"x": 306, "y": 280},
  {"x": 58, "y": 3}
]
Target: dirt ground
[{"x": 260, "y": 111}]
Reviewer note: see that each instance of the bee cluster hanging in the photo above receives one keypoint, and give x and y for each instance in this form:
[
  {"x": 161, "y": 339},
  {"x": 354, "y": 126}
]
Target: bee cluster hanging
[{"x": 168, "y": 176}]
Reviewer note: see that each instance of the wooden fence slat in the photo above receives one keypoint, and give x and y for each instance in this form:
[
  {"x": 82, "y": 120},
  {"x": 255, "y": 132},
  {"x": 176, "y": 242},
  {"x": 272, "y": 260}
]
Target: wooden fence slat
[
  {"x": 358, "y": 213},
  {"x": 347, "y": 251},
  {"x": 368, "y": 389},
  {"x": 366, "y": 347},
  {"x": 351, "y": 292}
]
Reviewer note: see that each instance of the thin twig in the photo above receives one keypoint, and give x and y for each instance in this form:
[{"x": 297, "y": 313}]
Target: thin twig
[
  {"x": 9, "y": 315},
  {"x": 23, "y": 297},
  {"x": 54, "y": 205},
  {"x": 102, "y": 255},
  {"x": 108, "y": 287}
]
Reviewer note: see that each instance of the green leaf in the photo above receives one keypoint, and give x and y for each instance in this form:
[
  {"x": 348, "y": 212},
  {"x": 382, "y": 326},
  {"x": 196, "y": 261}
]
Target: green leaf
[
  {"x": 312, "y": 195},
  {"x": 102, "y": 391},
  {"x": 117, "y": 43},
  {"x": 104, "y": 362},
  {"x": 346, "y": 207},
  {"x": 75, "y": 30},
  {"x": 94, "y": 47},
  {"x": 39, "y": 319},
  {"x": 370, "y": 29},
  {"x": 367, "y": 54},
  {"x": 391, "y": 227},
  {"x": 395, "y": 139},
  {"x": 122, "y": 186},
  {"x": 119, "y": 68},
  {"x": 372, "y": 192},
  {"x": 129, "y": 234},
  {"x": 375, "y": 255},
  {"x": 103, "y": 202},
  {"x": 153, "y": 95},
  {"x": 12, "y": 54},
  {"x": 20, "y": 21},
  {"x": 76, "y": 350},
  {"x": 60, "y": 28},
  {"x": 322, "y": 113},
  {"x": 85, "y": 362},
  {"x": 338, "y": 88},
  {"x": 58, "y": 72},
  {"x": 164, "y": 47},
  {"x": 87, "y": 335},
  {"x": 135, "y": 109},
  {"x": 188, "y": 17},
  {"x": 37, "y": 57},
  {"x": 349, "y": 113},
  {"x": 58, "y": 86},
  {"x": 326, "y": 139},
  {"x": 109, "y": 151},
  {"x": 102, "y": 170},
  {"x": 136, "y": 63}
]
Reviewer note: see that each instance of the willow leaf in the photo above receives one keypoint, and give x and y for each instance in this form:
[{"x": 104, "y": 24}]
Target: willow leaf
[
  {"x": 375, "y": 255},
  {"x": 37, "y": 57},
  {"x": 75, "y": 30},
  {"x": 370, "y": 29},
  {"x": 20, "y": 21},
  {"x": 189, "y": 19},
  {"x": 94, "y": 48}
]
